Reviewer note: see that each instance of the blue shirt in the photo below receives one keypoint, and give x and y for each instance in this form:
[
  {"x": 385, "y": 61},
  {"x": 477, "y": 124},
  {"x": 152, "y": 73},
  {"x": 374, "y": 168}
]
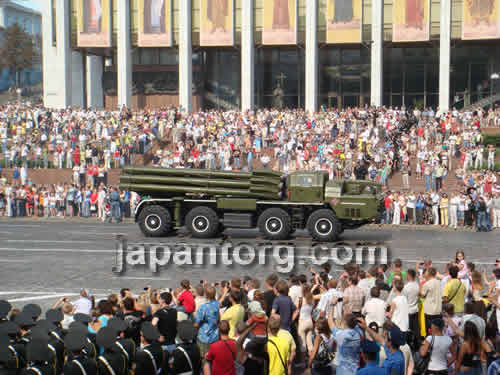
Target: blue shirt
[
  {"x": 348, "y": 349},
  {"x": 394, "y": 363},
  {"x": 207, "y": 318},
  {"x": 371, "y": 368},
  {"x": 494, "y": 368}
]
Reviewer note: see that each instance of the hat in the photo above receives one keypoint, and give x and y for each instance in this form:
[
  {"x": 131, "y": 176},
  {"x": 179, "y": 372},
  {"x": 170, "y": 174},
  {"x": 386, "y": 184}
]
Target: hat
[
  {"x": 46, "y": 324},
  {"x": 82, "y": 318},
  {"x": 119, "y": 325},
  {"x": 54, "y": 316},
  {"x": 438, "y": 322},
  {"x": 255, "y": 308},
  {"x": 24, "y": 319},
  {"x": 150, "y": 332},
  {"x": 396, "y": 336},
  {"x": 106, "y": 337},
  {"x": 33, "y": 309},
  {"x": 79, "y": 327},
  {"x": 369, "y": 346},
  {"x": 75, "y": 341},
  {"x": 186, "y": 331},
  {"x": 5, "y": 307},
  {"x": 9, "y": 328},
  {"x": 38, "y": 350}
]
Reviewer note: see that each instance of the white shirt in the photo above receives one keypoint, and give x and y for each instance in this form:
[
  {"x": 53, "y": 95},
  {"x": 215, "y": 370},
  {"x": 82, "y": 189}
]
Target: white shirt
[
  {"x": 440, "y": 349},
  {"x": 411, "y": 292},
  {"x": 400, "y": 313},
  {"x": 374, "y": 311},
  {"x": 82, "y": 305},
  {"x": 295, "y": 293}
]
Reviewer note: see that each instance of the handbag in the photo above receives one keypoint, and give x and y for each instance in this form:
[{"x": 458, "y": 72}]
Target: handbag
[{"x": 422, "y": 363}]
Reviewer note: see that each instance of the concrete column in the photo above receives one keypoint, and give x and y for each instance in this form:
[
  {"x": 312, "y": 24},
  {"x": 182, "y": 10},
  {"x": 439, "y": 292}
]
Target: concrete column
[
  {"x": 77, "y": 79},
  {"x": 185, "y": 57},
  {"x": 311, "y": 68},
  {"x": 247, "y": 55},
  {"x": 57, "y": 69},
  {"x": 95, "y": 94},
  {"x": 377, "y": 53},
  {"x": 124, "y": 55},
  {"x": 445, "y": 55}
]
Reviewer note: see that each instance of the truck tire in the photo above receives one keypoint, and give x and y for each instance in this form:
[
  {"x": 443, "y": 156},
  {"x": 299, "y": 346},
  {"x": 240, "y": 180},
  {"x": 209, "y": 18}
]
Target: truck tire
[
  {"x": 155, "y": 221},
  {"x": 323, "y": 226},
  {"x": 202, "y": 222},
  {"x": 275, "y": 224}
]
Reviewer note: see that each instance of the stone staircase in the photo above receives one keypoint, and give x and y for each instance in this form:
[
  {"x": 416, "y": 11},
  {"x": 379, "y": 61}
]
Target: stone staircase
[{"x": 485, "y": 102}]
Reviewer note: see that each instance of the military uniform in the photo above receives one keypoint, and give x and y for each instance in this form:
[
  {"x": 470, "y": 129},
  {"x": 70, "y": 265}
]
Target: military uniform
[
  {"x": 39, "y": 356},
  {"x": 78, "y": 363},
  {"x": 9, "y": 360},
  {"x": 152, "y": 359},
  {"x": 112, "y": 361},
  {"x": 126, "y": 345}
]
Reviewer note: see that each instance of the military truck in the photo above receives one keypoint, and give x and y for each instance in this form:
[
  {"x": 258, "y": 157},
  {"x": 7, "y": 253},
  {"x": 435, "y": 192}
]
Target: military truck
[{"x": 208, "y": 201}]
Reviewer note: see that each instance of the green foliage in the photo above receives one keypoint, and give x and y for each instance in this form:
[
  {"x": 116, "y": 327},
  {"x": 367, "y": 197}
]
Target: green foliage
[
  {"x": 491, "y": 139},
  {"x": 17, "y": 50}
]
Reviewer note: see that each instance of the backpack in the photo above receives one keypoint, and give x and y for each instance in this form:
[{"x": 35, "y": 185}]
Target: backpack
[
  {"x": 133, "y": 322},
  {"x": 324, "y": 356}
]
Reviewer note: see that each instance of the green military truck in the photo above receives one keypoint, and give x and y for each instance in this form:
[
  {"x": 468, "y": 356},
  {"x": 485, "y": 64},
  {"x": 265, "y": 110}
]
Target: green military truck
[{"x": 208, "y": 201}]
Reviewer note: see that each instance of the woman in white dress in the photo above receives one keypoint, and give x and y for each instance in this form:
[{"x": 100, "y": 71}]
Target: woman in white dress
[{"x": 396, "y": 220}]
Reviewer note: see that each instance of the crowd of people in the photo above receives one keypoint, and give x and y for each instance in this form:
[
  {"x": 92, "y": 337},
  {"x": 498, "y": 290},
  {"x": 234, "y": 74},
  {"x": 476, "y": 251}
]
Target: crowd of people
[
  {"x": 355, "y": 143},
  {"x": 383, "y": 320}
]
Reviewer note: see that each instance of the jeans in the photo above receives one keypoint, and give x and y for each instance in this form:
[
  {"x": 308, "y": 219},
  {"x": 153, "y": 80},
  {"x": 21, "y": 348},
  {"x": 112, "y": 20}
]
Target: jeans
[
  {"x": 115, "y": 211},
  {"x": 388, "y": 216},
  {"x": 482, "y": 221},
  {"x": 86, "y": 209},
  {"x": 474, "y": 371},
  {"x": 427, "y": 182}
]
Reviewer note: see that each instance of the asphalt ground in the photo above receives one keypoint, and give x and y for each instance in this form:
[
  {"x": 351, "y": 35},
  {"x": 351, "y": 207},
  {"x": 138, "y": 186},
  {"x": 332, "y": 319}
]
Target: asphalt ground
[{"x": 42, "y": 260}]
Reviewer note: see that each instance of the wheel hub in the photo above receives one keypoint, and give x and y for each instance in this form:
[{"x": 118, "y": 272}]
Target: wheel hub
[
  {"x": 152, "y": 222},
  {"x": 274, "y": 225},
  {"x": 324, "y": 227},
  {"x": 200, "y": 224}
]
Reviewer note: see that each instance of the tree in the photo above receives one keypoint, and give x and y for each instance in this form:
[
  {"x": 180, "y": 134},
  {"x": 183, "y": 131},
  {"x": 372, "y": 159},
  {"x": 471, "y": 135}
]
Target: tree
[{"x": 17, "y": 50}]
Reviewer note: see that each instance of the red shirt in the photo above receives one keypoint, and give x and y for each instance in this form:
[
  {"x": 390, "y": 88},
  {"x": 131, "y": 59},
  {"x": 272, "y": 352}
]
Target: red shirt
[
  {"x": 222, "y": 353},
  {"x": 388, "y": 202},
  {"x": 187, "y": 300}
]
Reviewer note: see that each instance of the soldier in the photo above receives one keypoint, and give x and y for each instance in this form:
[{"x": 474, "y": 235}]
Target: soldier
[
  {"x": 152, "y": 359},
  {"x": 126, "y": 345},
  {"x": 112, "y": 361},
  {"x": 39, "y": 357},
  {"x": 25, "y": 323},
  {"x": 11, "y": 331},
  {"x": 4, "y": 310},
  {"x": 9, "y": 361},
  {"x": 89, "y": 349},
  {"x": 78, "y": 363},
  {"x": 55, "y": 342},
  {"x": 33, "y": 310}
]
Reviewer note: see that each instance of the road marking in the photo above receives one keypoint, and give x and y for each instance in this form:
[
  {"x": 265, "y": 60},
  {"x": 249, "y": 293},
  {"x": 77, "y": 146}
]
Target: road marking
[
  {"x": 47, "y": 296},
  {"x": 152, "y": 278},
  {"x": 41, "y": 250},
  {"x": 49, "y": 241}
]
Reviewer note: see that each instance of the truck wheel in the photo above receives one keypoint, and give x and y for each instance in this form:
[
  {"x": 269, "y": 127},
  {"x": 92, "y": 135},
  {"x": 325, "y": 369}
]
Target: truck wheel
[
  {"x": 275, "y": 224},
  {"x": 323, "y": 226},
  {"x": 155, "y": 221},
  {"x": 202, "y": 222}
]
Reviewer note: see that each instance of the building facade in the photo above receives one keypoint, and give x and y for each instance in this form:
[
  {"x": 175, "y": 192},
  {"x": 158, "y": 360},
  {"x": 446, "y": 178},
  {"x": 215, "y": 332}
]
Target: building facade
[
  {"x": 243, "y": 54},
  {"x": 12, "y": 13}
]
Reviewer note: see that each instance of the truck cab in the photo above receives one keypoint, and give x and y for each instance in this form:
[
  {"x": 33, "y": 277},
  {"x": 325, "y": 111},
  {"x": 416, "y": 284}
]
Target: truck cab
[{"x": 307, "y": 186}]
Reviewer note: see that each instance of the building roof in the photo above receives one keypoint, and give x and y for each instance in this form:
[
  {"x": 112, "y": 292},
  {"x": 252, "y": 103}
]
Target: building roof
[{"x": 19, "y": 7}]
